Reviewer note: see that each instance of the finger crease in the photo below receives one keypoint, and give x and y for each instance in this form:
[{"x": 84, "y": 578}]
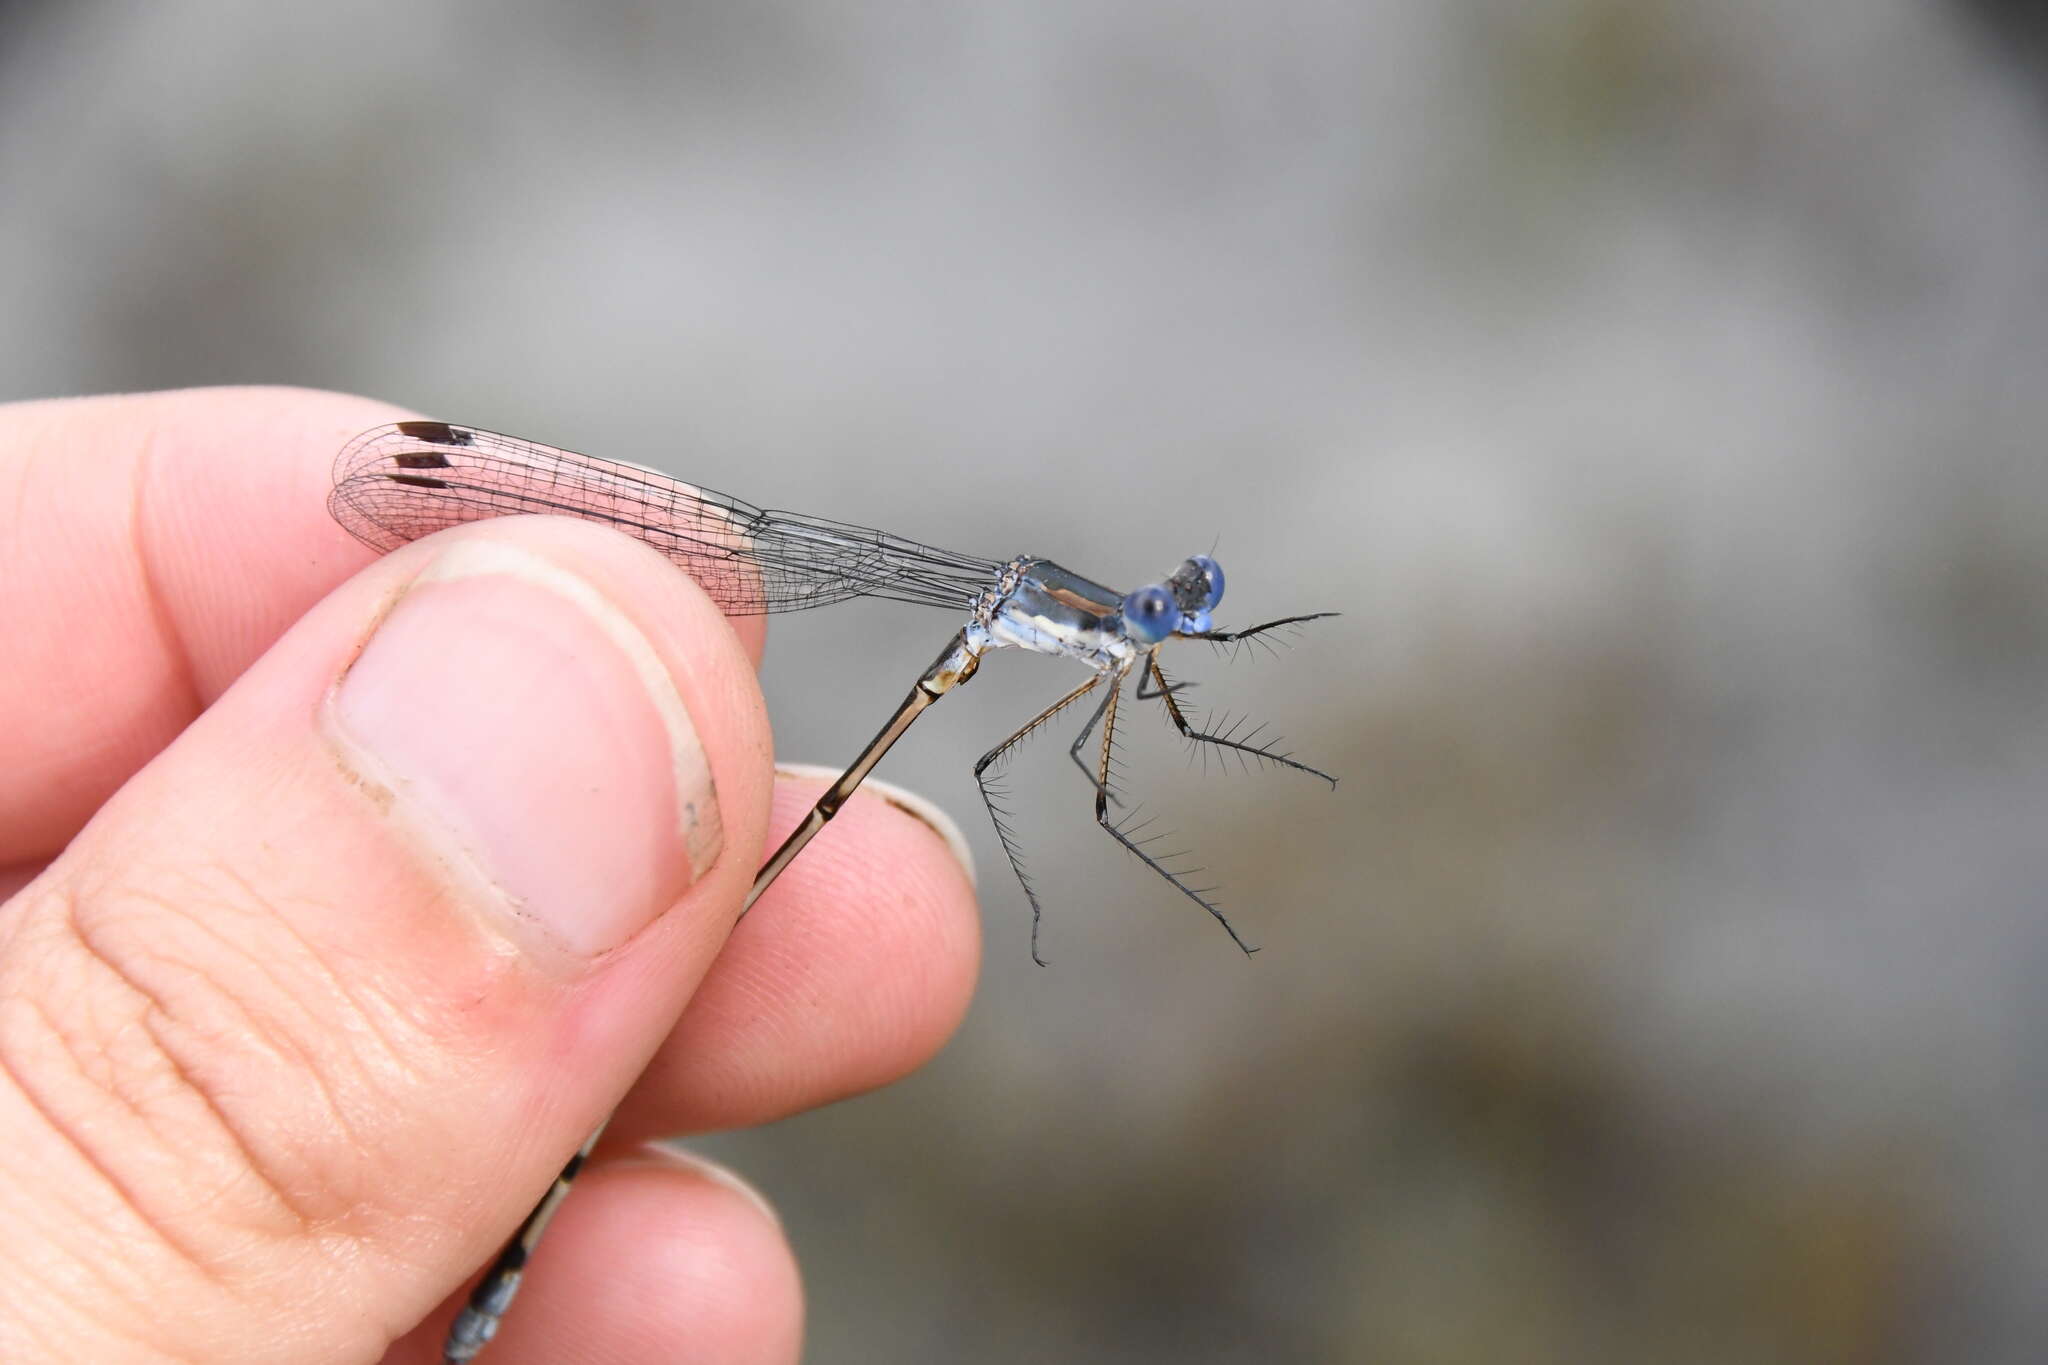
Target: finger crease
[{"x": 152, "y": 1011}]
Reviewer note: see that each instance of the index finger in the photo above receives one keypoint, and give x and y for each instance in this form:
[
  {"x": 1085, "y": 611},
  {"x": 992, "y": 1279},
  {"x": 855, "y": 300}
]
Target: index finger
[{"x": 151, "y": 547}]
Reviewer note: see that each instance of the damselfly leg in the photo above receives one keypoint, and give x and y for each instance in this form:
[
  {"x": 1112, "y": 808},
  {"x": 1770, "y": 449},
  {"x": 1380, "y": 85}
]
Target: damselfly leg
[
  {"x": 999, "y": 814},
  {"x": 1128, "y": 833},
  {"x": 1249, "y": 747}
]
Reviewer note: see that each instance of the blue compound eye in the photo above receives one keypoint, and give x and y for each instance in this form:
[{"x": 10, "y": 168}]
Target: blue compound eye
[
  {"x": 1212, "y": 579},
  {"x": 1150, "y": 614}
]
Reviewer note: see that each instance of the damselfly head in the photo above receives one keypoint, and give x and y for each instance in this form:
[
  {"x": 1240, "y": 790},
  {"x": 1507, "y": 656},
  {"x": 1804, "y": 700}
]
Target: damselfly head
[
  {"x": 1179, "y": 606},
  {"x": 1197, "y": 584}
]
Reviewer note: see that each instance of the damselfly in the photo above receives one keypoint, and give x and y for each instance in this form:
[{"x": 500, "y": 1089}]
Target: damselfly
[{"x": 397, "y": 483}]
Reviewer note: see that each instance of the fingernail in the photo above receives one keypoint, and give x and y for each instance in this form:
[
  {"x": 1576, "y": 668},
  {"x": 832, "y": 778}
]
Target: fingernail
[
  {"x": 919, "y": 808},
  {"x": 672, "y": 1153},
  {"x": 529, "y": 733}
]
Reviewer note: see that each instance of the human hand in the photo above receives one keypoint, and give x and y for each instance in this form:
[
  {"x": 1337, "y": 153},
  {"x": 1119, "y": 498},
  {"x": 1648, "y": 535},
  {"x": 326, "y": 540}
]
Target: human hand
[{"x": 340, "y": 898}]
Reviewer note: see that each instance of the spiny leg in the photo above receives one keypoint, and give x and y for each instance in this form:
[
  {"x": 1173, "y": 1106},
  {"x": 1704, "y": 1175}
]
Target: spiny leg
[
  {"x": 1260, "y": 629},
  {"x": 1103, "y": 785},
  {"x": 1267, "y": 753},
  {"x": 1227, "y": 637},
  {"x": 1107, "y": 715},
  {"x": 1165, "y": 689},
  {"x": 999, "y": 815}
]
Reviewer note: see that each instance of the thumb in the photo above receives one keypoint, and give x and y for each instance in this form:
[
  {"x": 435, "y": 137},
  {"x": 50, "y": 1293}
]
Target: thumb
[{"x": 296, "y": 1028}]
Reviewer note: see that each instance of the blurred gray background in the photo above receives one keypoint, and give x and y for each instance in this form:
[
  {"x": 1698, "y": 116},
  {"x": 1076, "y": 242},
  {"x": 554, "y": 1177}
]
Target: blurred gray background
[{"x": 1657, "y": 388}]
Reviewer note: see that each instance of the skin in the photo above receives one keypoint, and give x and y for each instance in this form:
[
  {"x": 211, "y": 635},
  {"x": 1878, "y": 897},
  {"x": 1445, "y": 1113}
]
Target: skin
[{"x": 274, "y": 1080}]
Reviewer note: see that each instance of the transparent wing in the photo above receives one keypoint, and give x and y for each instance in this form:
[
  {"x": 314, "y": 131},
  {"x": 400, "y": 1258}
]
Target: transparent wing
[{"x": 394, "y": 484}]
